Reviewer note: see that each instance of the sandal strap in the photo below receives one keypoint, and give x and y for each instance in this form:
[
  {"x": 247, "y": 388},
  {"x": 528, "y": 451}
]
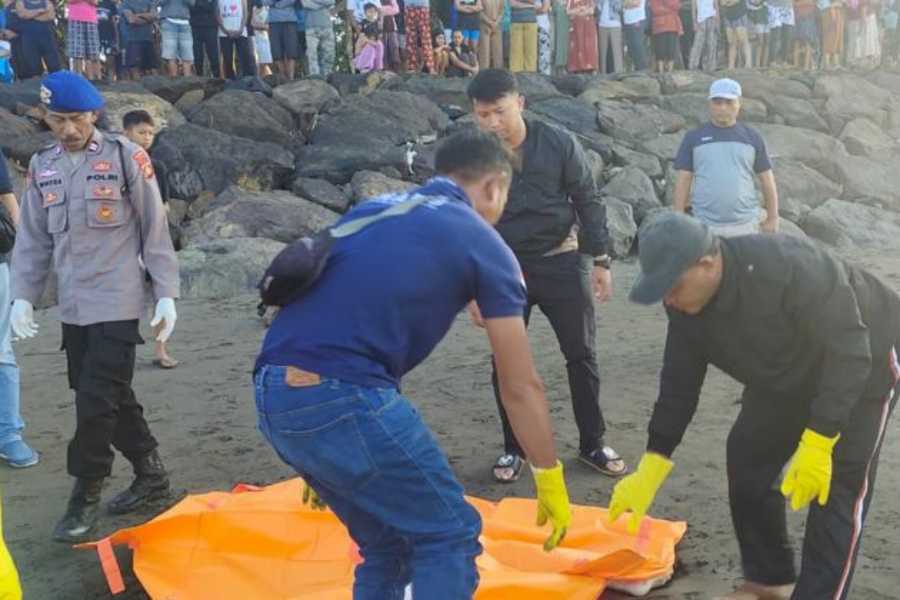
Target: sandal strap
[{"x": 506, "y": 461}]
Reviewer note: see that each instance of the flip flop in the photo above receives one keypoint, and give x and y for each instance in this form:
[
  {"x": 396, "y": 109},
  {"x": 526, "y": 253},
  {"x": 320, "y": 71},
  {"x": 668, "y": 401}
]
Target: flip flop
[
  {"x": 509, "y": 461},
  {"x": 601, "y": 459},
  {"x": 165, "y": 363}
]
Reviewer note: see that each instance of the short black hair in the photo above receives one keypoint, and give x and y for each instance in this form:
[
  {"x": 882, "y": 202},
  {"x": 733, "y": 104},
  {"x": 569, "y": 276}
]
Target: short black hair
[
  {"x": 369, "y": 5},
  {"x": 136, "y": 117},
  {"x": 471, "y": 154},
  {"x": 492, "y": 84}
]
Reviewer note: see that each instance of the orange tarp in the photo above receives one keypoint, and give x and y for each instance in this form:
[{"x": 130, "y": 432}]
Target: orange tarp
[{"x": 263, "y": 543}]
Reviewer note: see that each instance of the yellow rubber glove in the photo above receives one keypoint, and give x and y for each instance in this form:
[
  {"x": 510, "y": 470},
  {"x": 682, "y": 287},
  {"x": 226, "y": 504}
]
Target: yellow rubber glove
[
  {"x": 553, "y": 503},
  {"x": 809, "y": 474},
  {"x": 311, "y": 498},
  {"x": 635, "y": 493},
  {"x": 9, "y": 577}
]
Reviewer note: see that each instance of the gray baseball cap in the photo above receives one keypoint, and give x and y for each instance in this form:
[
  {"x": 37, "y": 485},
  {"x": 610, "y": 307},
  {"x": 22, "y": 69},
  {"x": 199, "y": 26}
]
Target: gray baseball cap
[
  {"x": 725, "y": 88},
  {"x": 668, "y": 245}
]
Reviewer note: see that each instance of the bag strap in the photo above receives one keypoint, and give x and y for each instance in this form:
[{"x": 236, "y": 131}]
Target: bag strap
[{"x": 401, "y": 208}]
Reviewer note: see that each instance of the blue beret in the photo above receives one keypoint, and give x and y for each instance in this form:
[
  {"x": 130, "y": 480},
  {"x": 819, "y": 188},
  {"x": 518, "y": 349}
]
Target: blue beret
[{"x": 65, "y": 91}]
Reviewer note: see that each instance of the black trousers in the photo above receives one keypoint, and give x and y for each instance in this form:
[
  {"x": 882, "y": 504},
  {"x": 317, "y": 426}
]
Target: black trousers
[
  {"x": 101, "y": 367},
  {"x": 763, "y": 439},
  {"x": 206, "y": 44},
  {"x": 39, "y": 50},
  {"x": 561, "y": 287},
  {"x": 246, "y": 62}
]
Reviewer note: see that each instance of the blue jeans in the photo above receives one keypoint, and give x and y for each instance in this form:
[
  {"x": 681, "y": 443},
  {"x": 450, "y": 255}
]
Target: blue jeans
[
  {"x": 634, "y": 40},
  {"x": 369, "y": 455},
  {"x": 11, "y": 424}
]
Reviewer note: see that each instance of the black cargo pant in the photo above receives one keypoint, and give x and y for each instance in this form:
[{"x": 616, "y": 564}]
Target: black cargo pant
[
  {"x": 242, "y": 46},
  {"x": 206, "y": 44},
  {"x": 561, "y": 287},
  {"x": 101, "y": 366},
  {"x": 762, "y": 441}
]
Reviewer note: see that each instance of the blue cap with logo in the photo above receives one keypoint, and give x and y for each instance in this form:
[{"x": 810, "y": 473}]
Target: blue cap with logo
[
  {"x": 725, "y": 88},
  {"x": 65, "y": 91}
]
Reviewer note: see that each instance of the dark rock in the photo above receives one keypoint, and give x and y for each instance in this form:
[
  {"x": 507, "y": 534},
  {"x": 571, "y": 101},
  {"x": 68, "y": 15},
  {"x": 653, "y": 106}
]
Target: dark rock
[
  {"x": 847, "y": 225},
  {"x": 199, "y": 159},
  {"x": 632, "y": 185},
  {"x": 306, "y": 96},
  {"x": 247, "y": 115},
  {"x": 171, "y": 89},
  {"x": 796, "y": 181},
  {"x": 863, "y": 138},
  {"x": 21, "y": 92},
  {"x": 636, "y": 122},
  {"x": 576, "y": 117},
  {"x": 225, "y": 268},
  {"x": 369, "y": 184},
  {"x": 338, "y": 162},
  {"x": 381, "y": 118},
  {"x": 22, "y": 148},
  {"x": 797, "y": 112},
  {"x": 621, "y": 226},
  {"x": 321, "y": 192},
  {"x": 120, "y": 102},
  {"x": 694, "y": 108},
  {"x": 275, "y": 215},
  {"x": 14, "y": 126}
]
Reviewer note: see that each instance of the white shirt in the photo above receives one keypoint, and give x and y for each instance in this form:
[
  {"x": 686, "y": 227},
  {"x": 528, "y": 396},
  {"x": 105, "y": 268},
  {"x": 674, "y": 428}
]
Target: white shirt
[
  {"x": 543, "y": 20},
  {"x": 607, "y": 19},
  {"x": 630, "y": 16},
  {"x": 705, "y": 10}
]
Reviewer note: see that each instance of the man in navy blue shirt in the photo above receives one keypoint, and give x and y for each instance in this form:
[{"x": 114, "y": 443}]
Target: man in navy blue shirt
[
  {"x": 716, "y": 166},
  {"x": 327, "y": 380}
]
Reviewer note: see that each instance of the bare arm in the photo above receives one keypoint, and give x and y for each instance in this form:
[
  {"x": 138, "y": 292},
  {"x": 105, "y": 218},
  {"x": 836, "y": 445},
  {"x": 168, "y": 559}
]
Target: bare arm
[
  {"x": 46, "y": 15},
  {"x": 770, "y": 199},
  {"x": 23, "y": 12},
  {"x": 683, "y": 182},
  {"x": 12, "y": 207},
  {"x": 521, "y": 390}
]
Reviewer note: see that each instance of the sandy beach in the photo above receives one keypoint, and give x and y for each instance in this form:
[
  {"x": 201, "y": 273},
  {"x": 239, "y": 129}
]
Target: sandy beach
[{"x": 203, "y": 415}]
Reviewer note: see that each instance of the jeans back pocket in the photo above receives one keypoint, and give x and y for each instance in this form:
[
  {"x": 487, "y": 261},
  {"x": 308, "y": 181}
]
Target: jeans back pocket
[{"x": 334, "y": 453}]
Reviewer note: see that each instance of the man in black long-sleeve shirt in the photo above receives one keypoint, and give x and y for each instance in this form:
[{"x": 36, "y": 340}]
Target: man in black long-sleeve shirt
[
  {"x": 555, "y": 223},
  {"x": 813, "y": 340}
]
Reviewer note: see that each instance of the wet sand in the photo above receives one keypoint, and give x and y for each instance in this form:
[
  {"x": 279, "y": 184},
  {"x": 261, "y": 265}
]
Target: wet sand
[{"x": 203, "y": 416}]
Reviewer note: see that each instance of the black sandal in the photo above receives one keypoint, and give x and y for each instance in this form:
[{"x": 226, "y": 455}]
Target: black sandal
[
  {"x": 509, "y": 461},
  {"x": 601, "y": 459}
]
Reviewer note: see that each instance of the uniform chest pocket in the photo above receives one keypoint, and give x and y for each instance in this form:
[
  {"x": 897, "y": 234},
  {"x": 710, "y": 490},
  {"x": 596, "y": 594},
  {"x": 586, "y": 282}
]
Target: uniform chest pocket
[
  {"x": 105, "y": 206},
  {"x": 54, "y": 202}
]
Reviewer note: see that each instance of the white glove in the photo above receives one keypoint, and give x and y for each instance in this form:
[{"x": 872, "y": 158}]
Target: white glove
[
  {"x": 165, "y": 311},
  {"x": 21, "y": 319}
]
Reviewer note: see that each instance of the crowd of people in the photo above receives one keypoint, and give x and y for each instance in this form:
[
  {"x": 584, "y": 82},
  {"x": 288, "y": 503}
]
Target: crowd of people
[{"x": 232, "y": 38}]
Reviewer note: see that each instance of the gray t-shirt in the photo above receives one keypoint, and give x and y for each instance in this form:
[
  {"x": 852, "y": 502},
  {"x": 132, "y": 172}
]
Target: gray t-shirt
[{"x": 724, "y": 161}]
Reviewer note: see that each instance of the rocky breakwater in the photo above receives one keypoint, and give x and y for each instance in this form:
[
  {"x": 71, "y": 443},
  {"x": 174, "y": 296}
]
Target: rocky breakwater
[{"x": 253, "y": 170}]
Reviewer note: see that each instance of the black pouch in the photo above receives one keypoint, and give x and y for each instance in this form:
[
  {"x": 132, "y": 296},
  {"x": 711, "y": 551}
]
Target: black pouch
[
  {"x": 294, "y": 270},
  {"x": 296, "y": 267}
]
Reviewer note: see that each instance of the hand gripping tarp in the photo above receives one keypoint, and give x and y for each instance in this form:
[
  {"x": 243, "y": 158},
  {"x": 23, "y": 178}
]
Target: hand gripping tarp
[{"x": 264, "y": 543}]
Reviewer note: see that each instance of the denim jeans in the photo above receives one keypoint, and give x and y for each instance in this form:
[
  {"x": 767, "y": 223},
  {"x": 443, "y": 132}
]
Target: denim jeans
[
  {"x": 11, "y": 424},
  {"x": 371, "y": 458},
  {"x": 634, "y": 40}
]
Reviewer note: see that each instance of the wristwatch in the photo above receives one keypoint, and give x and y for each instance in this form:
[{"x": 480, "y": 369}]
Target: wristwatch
[{"x": 603, "y": 261}]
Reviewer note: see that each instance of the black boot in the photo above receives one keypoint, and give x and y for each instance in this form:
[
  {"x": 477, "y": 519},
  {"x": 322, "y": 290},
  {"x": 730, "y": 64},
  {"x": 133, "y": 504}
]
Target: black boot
[
  {"x": 81, "y": 515},
  {"x": 150, "y": 483}
]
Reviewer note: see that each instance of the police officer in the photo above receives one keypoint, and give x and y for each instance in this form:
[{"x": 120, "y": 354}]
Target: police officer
[
  {"x": 814, "y": 341},
  {"x": 92, "y": 206}
]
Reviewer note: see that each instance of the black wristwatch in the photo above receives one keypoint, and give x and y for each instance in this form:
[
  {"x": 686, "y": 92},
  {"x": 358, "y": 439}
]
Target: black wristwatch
[{"x": 603, "y": 261}]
